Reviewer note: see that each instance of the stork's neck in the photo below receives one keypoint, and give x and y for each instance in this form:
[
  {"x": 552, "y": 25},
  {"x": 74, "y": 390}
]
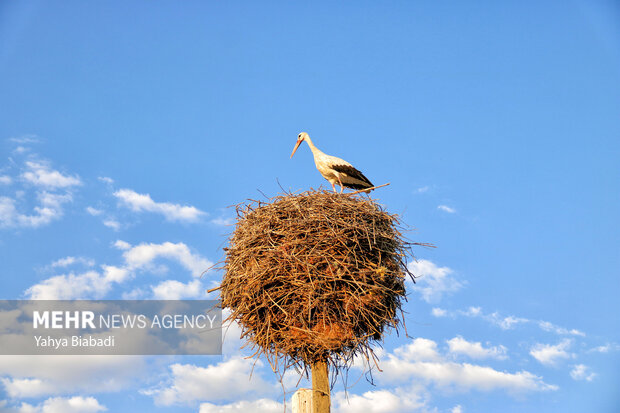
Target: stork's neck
[{"x": 314, "y": 149}]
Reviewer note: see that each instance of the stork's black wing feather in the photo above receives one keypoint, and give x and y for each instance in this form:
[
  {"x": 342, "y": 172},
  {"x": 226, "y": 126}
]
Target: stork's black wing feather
[
  {"x": 353, "y": 173},
  {"x": 356, "y": 186}
]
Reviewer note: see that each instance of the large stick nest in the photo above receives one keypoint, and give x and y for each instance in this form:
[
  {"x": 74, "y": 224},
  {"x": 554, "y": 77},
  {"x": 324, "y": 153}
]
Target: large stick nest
[{"x": 315, "y": 276}]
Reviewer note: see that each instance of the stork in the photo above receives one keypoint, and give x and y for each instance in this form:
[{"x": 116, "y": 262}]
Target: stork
[{"x": 335, "y": 170}]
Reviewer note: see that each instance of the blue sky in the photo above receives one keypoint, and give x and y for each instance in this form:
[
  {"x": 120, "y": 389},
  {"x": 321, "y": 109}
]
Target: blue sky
[{"x": 126, "y": 130}]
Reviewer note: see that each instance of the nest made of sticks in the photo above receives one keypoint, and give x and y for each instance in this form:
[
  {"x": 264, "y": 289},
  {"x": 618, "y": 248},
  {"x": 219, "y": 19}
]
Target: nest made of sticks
[{"x": 315, "y": 276}]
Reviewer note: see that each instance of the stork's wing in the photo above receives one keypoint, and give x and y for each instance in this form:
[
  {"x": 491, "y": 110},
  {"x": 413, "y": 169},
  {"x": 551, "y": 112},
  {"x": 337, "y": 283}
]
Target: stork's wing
[{"x": 359, "y": 180}]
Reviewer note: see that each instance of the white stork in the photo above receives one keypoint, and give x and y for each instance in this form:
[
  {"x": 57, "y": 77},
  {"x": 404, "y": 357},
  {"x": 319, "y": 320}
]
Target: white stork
[{"x": 335, "y": 170}]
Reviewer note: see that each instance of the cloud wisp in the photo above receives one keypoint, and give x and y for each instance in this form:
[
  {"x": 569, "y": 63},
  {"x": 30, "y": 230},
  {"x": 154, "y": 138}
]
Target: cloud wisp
[
  {"x": 433, "y": 282},
  {"x": 399, "y": 400},
  {"x": 50, "y": 208},
  {"x": 25, "y": 139},
  {"x": 605, "y": 348},
  {"x": 224, "y": 381},
  {"x": 40, "y": 174},
  {"x": 96, "y": 283},
  {"x": 41, "y": 376},
  {"x": 446, "y": 208},
  {"x": 550, "y": 354},
  {"x": 506, "y": 322},
  {"x": 255, "y": 406},
  {"x": 475, "y": 350},
  {"x": 50, "y": 188},
  {"x": 75, "y": 404},
  {"x": 68, "y": 261},
  {"x": 582, "y": 372},
  {"x": 144, "y": 203},
  {"x": 421, "y": 360}
]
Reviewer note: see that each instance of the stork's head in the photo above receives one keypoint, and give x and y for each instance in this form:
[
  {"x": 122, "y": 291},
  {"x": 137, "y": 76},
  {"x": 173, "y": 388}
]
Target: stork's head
[{"x": 300, "y": 138}]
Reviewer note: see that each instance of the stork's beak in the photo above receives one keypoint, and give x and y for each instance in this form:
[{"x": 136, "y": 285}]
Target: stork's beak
[{"x": 295, "y": 148}]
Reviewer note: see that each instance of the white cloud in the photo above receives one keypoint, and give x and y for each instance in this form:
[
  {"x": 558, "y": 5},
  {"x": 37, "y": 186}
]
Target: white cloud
[
  {"x": 582, "y": 372},
  {"x": 378, "y": 401},
  {"x": 475, "y": 350},
  {"x": 172, "y": 212},
  {"x": 50, "y": 189},
  {"x": 122, "y": 245},
  {"x": 433, "y": 281},
  {"x": 67, "y": 261},
  {"x": 50, "y": 208},
  {"x": 20, "y": 150},
  {"x": 457, "y": 409},
  {"x": 76, "y": 404},
  {"x": 135, "y": 294},
  {"x": 115, "y": 274},
  {"x": 176, "y": 290},
  {"x": 17, "y": 388},
  {"x": 447, "y": 209},
  {"x": 549, "y": 355},
  {"x": 418, "y": 349},
  {"x": 143, "y": 255},
  {"x": 467, "y": 376},
  {"x": 257, "y": 406},
  {"x": 223, "y": 221},
  {"x": 112, "y": 223},
  {"x": 94, "y": 211},
  {"x": 605, "y": 348},
  {"x": 40, "y": 174},
  {"x": 420, "y": 359},
  {"x": 25, "y": 139},
  {"x": 107, "y": 220},
  {"x": 473, "y": 311},
  {"x": 439, "y": 312},
  {"x": 7, "y": 211},
  {"x": 547, "y": 326},
  {"x": 96, "y": 284},
  {"x": 422, "y": 189},
  {"x": 106, "y": 180},
  {"x": 40, "y": 376},
  {"x": 227, "y": 380},
  {"x": 506, "y": 322},
  {"x": 90, "y": 284},
  {"x": 51, "y": 200},
  {"x": 64, "y": 262}
]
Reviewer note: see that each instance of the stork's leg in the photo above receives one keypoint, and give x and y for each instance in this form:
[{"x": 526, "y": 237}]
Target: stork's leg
[
  {"x": 333, "y": 186},
  {"x": 340, "y": 182}
]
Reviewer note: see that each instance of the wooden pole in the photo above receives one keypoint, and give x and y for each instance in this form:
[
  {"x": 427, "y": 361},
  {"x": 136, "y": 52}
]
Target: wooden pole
[
  {"x": 302, "y": 401},
  {"x": 320, "y": 387}
]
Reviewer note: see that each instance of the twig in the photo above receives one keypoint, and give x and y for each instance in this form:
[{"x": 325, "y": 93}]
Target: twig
[
  {"x": 207, "y": 270},
  {"x": 367, "y": 189},
  {"x": 213, "y": 289}
]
